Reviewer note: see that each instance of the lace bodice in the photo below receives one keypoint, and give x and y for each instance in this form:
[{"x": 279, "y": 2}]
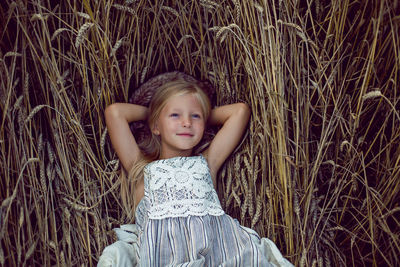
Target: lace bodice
[{"x": 179, "y": 187}]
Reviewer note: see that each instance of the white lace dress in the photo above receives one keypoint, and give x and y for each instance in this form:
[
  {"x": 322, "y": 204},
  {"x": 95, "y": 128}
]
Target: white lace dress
[{"x": 180, "y": 222}]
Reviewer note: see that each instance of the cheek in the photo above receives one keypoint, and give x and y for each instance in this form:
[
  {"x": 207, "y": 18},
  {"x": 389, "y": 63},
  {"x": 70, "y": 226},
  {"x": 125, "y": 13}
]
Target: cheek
[
  {"x": 201, "y": 127},
  {"x": 169, "y": 126}
]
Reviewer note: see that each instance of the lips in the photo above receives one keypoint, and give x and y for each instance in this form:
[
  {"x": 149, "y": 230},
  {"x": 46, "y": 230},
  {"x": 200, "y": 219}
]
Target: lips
[{"x": 185, "y": 134}]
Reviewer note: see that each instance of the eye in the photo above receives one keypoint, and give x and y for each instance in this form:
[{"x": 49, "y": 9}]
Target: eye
[
  {"x": 174, "y": 115},
  {"x": 196, "y": 116}
]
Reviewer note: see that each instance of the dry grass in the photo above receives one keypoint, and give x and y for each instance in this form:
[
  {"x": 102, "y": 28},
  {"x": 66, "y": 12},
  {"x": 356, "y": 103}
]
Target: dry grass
[{"x": 319, "y": 172}]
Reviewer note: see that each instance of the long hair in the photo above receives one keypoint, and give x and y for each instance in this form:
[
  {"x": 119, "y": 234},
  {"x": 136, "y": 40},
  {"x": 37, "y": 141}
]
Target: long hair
[{"x": 151, "y": 146}]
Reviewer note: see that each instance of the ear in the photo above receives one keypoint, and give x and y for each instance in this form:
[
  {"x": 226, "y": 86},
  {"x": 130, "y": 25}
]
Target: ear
[{"x": 155, "y": 129}]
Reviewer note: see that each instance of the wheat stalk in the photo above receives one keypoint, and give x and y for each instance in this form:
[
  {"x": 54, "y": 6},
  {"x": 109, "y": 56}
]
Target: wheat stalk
[
  {"x": 237, "y": 10},
  {"x": 83, "y": 15},
  {"x": 321, "y": 82},
  {"x": 125, "y": 8},
  {"x": 116, "y": 46},
  {"x": 33, "y": 112},
  {"x": 57, "y": 32},
  {"x": 209, "y": 4},
  {"x": 39, "y": 17},
  {"x": 81, "y": 33},
  {"x": 170, "y": 9}
]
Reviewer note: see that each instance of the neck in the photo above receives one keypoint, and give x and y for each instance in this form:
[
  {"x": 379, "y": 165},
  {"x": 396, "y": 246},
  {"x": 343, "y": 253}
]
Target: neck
[{"x": 166, "y": 154}]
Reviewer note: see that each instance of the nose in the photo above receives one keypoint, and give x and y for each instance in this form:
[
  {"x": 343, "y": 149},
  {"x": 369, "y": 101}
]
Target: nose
[{"x": 187, "y": 122}]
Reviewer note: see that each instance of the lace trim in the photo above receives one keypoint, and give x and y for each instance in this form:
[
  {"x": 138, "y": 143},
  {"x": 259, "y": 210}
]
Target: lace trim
[{"x": 179, "y": 187}]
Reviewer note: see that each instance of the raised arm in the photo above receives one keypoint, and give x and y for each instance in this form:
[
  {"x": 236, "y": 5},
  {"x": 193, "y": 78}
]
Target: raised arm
[
  {"x": 118, "y": 116},
  {"x": 234, "y": 119}
]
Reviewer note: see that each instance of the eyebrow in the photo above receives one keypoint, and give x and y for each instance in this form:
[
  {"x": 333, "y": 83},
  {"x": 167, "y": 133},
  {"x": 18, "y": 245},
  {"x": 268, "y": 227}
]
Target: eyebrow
[{"x": 191, "y": 111}]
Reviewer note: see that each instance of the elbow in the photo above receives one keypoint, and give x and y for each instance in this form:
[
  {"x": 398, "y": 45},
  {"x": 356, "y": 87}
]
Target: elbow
[
  {"x": 111, "y": 111},
  {"x": 244, "y": 111}
]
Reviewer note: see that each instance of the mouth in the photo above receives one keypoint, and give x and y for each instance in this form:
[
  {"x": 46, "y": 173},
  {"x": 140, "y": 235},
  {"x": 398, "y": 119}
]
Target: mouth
[{"x": 185, "y": 134}]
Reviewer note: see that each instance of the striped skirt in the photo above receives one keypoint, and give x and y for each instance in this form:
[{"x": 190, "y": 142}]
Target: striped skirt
[{"x": 190, "y": 241}]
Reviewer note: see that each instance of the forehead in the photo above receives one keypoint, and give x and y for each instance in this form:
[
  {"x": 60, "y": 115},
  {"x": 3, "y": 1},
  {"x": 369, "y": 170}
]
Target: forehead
[{"x": 186, "y": 101}]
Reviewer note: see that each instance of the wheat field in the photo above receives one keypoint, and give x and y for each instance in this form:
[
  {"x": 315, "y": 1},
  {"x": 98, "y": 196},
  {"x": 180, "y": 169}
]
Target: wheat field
[{"x": 318, "y": 171}]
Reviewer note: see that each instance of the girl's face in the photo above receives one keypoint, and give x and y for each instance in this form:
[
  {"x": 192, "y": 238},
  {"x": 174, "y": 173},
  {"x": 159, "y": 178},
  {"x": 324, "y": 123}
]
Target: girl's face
[{"x": 180, "y": 125}]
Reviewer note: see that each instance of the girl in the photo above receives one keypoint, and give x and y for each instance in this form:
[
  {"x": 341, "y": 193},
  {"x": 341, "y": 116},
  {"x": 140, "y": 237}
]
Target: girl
[{"x": 179, "y": 219}]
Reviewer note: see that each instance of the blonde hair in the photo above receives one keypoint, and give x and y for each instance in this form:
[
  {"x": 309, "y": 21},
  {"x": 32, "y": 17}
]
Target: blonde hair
[{"x": 151, "y": 147}]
